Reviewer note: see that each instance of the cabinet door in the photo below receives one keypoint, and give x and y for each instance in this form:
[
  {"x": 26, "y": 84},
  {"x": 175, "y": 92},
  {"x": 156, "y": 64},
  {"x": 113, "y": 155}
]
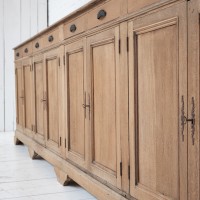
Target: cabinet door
[
  {"x": 51, "y": 99},
  {"x": 103, "y": 98},
  {"x": 158, "y": 104},
  {"x": 76, "y": 97},
  {"x": 193, "y": 100},
  {"x": 39, "y": 96},
  {"x": 28, "y": 91},
  {"x": 19, "y": 96}
]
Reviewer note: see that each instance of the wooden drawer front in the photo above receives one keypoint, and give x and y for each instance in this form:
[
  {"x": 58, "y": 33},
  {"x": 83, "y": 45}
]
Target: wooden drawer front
[
  {"x": 18, "y": 53},
  {"x": 37, "y": 44},
  {"x": 135, "y": 5},
  {"x": 74, "y": 27},
  {"x": 51, "y": 38},
  {"x": 27, "y": 49},
  {"x": 105, "y": 13}
]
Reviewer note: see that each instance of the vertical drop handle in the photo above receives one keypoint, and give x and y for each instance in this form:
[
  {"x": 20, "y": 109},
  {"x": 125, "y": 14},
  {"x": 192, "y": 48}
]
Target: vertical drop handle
[
  {"x": 185, "y": 120},
  {"x": 22, "y": 97},
  {"x": 44, "y": 100},
  {"x": 192, "y": 120},
  {"x": 85, "y": 105}
]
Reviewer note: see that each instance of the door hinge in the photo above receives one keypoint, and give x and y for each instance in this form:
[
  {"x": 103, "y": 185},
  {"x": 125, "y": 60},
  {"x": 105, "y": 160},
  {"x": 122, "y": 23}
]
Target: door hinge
[
  {"x": 17, "y": 120},
  {"x": 129, "y": 172},
  {"x": 59, "y": 61},
  {"x": 120, "y": 168},
  {"x": 60, "y": 141},
  {"x": 65, "y": 143},
  {"x": 15, "y": 71},
  {"x": 64, "y": 60},
  {"x": 127, "y": 40},
  {"x": 34, "y": 127},
  {"x": 119, "y": 46}
]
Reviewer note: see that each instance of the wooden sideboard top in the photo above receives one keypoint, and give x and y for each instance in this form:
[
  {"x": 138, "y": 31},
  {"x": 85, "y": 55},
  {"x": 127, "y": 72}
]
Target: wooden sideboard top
[{"x": 86, "y": 9}]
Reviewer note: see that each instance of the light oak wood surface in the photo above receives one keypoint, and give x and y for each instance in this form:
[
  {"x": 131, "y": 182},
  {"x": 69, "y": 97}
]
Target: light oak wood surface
[{"x": 110, "y": 98}]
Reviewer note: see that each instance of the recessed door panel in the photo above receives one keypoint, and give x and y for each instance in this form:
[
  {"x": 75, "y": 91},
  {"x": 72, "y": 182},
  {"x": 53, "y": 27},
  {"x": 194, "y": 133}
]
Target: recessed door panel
[
  {"x": 39, "y": 97},
  {"x": 20, "y": 96},
  {"x": 158, "y": 100},
  {"x": 51, "y": 100},
  {"x": 76, "y": 93},
  {"x": 158, "y": 117},
  {"x": 28, "y": 96},
  {"x": 76, "y": 99},
  {"x": 103, "y": 70},
  {"x": 40, "y": 103},
  {"x": 104, "y": 127},
  {"x": 52, "y": 95}
]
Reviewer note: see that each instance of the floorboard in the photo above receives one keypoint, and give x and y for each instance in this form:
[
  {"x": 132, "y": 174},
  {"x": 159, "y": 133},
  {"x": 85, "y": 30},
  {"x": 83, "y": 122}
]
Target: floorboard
[{"x": 25, "y": 179}]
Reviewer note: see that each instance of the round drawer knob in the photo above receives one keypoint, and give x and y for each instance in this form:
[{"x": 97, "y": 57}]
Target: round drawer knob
[
  {"x": 101, "y": 14},
  {"x": 26, "y": 50},
  {"x": 17, "y": 54},
  {"x": 50, "y": 38},
  {"x": 37, "y": 45},
  {"x": 73, "y": 28}
]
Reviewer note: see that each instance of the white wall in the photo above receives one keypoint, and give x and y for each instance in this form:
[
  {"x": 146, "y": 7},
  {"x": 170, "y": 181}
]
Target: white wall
[
  {"x": 19, "y": 20},
  {"x": 60, "y": 8}
]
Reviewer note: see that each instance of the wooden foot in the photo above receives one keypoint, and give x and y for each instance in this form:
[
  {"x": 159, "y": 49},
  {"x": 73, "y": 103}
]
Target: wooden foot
[
  {"x": 17, "y": 141},
  {"x": 32, "y": 153},
  {"x": 62, "y": 177}
]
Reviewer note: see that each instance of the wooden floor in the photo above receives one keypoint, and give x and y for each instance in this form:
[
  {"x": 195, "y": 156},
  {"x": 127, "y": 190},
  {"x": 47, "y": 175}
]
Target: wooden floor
[{"x": 25, "y": 179}]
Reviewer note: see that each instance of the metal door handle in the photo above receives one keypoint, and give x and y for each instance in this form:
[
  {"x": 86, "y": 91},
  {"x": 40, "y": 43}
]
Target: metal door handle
[
  {"x": 192, "y": 120},
  {"x": 184, "y": 119},
  {"x": 44, "y": 100},
  {"x": 85, "y": 105}
]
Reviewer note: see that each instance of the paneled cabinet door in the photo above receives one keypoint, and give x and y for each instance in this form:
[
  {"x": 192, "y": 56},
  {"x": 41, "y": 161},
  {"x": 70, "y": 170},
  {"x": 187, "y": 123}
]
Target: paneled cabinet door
[
  {"x": 28, "y": 100},
  {"x": 102, "y": 100},
  {"x": 19, "y": 95},
  {"x": 158, "y": 104},
  {"x": 76, "y": 102},
  {"x": 39, "y": 96},
  {"x": 51, "y": 99}
]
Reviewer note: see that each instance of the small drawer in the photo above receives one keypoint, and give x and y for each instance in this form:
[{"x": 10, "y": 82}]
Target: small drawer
[
  {"x": 51, "y": 38},
  {"x": 37, "y": 44},
  {"x": 104, "y": 13},
  {"x": 135, "y": 5},
  {"x": 18, "y": 53},
  {"x": 27, "y": 49},
  {"x": 75, "y": 27}
]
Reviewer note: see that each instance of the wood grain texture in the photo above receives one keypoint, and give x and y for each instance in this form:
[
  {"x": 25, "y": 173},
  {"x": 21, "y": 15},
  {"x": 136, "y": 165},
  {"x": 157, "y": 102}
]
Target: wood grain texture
[
  {"x": 104, "y": 136},
  {"x": 157, "y": 171},
  {"x": 134, "y": 5},
  {"x": 38, "y": 74},
  {"x": 193, "y": 91},
  {"x": 32, "y": 153},
  {"x": 62, "y": 177},
  {"x": 20, "y": 96},
  {"x": 157, "y": 117},
  {"x": 114, "y": 99},
  {"x": 28, "y": 96},
  {"x": 51, "y": 97},
  {"x": 75, "y": 98},
  {"x": 52, "y": 88}
]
